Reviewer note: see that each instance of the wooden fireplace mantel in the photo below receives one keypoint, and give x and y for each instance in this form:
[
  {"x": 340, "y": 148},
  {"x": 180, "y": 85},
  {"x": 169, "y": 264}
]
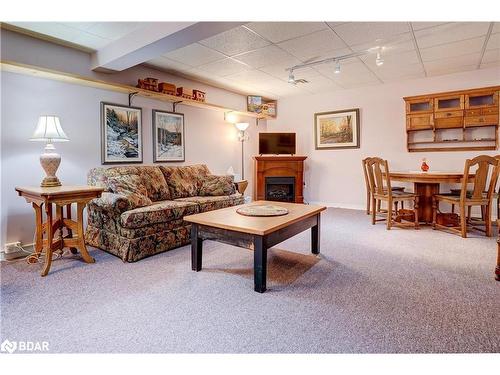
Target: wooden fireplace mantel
[{"x": 279, "y": 166}]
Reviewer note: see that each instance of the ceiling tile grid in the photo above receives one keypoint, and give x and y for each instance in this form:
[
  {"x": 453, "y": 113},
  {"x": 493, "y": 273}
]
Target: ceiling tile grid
[{"x": 254, "y": 58}]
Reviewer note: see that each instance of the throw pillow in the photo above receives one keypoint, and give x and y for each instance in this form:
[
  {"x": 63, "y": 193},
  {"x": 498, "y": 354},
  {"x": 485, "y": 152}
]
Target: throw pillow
[
  {"x": 153, "y": 180},
  {"x": 217, "y": 185},
  {"x": 131, "y": 187},
  {"x": 184, "y": 181}
]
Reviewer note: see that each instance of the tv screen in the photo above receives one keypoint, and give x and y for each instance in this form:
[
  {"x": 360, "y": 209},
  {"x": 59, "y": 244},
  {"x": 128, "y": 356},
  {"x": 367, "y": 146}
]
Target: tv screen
[{"x": 277, "y": 143}]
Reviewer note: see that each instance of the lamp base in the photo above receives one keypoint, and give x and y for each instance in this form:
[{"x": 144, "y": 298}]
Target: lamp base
[
  {"x": 50, "y": 182},
  {"x": 50, "y": 161}
]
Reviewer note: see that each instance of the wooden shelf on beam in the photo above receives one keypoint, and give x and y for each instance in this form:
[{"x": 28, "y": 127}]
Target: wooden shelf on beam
[{"x": 14, "y": 67}]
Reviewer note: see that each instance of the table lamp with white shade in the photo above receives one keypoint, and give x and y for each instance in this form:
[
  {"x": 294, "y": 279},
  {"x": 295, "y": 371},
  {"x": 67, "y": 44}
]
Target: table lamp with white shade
[
  {"x": 49, "y": 130},
  {"x": 242, "y": 137}
]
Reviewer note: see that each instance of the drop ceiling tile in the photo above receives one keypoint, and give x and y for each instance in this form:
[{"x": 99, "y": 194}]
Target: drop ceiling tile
[
  {"x": 450, "y": 32},
  {"x": 270, "y": 55},
  {"x": 491, "y": 56},
  {"x": 290, "y": 90},
  {"x": 400, "y": 43},
  {"x": 195, "y": 55},
  {"x": 114, "y": 30},
  {"x": 493, "y": 42},
  {"x": 224, "y": 67},
  {"x": 490, "y": 65},
  {"x": 443, "y": 51},
  {"x": 168, "y": 65},
  {"x": 362, "y": 32},
  {"x": 450, "y": 70},
  {"x": 355, "y": 72},
  {"x": 392, "y": 60},
  {"x": 280, "y": 31},
  {"x": 389, "y": 73},
  {"x": 313, "y": 46},
  {"x": 235, "y": 41},
  {"x": 452, "y": 63},
  {"x": 425, "y": 25}
]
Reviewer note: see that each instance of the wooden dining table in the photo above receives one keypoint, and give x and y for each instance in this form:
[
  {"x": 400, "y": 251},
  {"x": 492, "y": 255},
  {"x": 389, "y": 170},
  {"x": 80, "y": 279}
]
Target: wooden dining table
[{"x": 426, "y": 184}]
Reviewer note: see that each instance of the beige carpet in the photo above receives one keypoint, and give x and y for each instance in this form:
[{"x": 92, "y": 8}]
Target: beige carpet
[{"x": 370, "y": 291}]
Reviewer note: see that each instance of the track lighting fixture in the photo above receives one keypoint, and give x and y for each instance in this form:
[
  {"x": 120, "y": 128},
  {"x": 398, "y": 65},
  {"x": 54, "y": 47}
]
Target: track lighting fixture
[
  {"x": 337, "y": 67},
  {"x": 291, "y": 78},
  {"x": 379, "y": 60}
]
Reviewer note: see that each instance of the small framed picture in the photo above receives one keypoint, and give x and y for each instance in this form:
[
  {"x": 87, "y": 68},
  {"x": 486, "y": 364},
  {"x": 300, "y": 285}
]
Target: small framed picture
[
  {"x": 168, "y": 136},
  {"x": 121, "y": 134},
  {"x": 336, "y": 129}
]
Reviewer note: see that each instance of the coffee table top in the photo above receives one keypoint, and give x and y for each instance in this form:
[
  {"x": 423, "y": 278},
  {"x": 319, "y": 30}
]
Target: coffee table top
[{"x": 228, "y": 218}]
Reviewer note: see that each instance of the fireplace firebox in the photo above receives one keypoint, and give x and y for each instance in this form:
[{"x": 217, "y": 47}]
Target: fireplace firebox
[{"x": 280, "y": 189}]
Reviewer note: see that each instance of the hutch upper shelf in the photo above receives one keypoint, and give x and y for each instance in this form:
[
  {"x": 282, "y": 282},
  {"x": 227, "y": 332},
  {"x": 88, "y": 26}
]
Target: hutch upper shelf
[{"x": 457, "y": 120}]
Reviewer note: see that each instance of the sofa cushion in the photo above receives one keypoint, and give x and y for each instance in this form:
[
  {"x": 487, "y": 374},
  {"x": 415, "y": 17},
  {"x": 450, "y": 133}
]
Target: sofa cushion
[
  {"x": 99, "y": 176},
  {"x": 214, "y": 203},
  {"x": 212, "y": 185},
  {"x": 184, "y": 181},
  {"x": 158, "y": 212},
  {"x": 131, "y": 187},
  {"x": 154, "y": 181}
]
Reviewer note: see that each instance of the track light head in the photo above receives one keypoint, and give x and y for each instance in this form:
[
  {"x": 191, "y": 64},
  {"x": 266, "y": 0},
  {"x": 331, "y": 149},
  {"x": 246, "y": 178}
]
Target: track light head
[
  {"x": 337, "y": 67},
  {"x": 291, "y": 78},
  {"x": 379, "y": 60}
]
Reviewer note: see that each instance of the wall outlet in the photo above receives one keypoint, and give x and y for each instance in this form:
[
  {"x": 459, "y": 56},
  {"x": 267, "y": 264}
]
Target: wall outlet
[{"x": 12, "y": 247}]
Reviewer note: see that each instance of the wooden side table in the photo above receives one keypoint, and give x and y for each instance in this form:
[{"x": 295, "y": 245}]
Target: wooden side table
[{"x": 52, "y": 227}]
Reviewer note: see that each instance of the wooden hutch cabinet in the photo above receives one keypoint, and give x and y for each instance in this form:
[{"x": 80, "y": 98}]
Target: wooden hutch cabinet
[{"x": 453, "y": 121}]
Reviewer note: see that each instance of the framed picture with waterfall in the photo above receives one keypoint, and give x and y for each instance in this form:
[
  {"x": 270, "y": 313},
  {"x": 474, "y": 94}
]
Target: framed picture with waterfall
[
  {"x": 168, "y": 136},
  {"x": 121, "y": 134},
  {"x": 336, "y": 129}
]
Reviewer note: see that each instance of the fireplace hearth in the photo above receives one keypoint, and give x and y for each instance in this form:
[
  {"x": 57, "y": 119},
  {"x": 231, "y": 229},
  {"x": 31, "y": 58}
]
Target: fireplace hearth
[{"x": 281, "y": 189}]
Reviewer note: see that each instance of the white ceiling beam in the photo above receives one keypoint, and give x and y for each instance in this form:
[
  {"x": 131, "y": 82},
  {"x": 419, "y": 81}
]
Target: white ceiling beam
[{"x": 154, "y": 40}]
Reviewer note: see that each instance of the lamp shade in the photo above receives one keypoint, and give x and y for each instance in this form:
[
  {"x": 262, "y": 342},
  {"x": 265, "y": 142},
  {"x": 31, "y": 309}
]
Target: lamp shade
[
  {"x": 49, "y": 130},
  {"x": 242, "y": 126}
]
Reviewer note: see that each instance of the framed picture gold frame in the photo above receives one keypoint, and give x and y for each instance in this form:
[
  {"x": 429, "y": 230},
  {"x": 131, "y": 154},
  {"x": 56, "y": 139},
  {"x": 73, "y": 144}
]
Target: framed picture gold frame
[{"x": 337, "y": 129}]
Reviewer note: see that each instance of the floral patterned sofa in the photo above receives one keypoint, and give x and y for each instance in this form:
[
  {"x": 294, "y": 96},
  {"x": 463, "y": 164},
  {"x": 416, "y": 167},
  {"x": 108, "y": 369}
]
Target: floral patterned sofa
[{"x": 141, "y": 210}]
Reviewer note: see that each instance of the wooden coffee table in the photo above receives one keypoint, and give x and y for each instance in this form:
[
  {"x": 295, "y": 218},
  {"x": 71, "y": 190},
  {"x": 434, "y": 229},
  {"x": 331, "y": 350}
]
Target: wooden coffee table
[{"x": 254, "y": 233}]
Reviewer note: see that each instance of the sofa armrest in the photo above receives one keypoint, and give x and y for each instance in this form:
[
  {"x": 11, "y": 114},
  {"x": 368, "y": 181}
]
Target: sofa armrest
[{"x": 111, "y": 203}]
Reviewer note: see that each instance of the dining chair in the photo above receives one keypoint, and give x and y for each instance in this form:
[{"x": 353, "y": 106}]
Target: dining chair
[
  {"x": 381, "y": 190},
  {"x": 369, "y": 193},
  {"x": 481, "y": 194},
  {"x": 496, "y": 195}
]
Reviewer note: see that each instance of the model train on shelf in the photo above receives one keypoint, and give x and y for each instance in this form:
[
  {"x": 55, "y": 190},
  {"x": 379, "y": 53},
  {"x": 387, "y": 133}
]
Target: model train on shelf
[{"x": 153, "y": 84}]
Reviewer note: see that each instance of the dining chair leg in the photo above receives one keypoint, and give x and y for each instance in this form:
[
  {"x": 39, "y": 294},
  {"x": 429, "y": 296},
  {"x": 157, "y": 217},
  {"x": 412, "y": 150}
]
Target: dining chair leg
[
  {"x": 435, "y": 206},
  {"x": 469, "y": 213},
  {"x": 368, "y": 200},
  {"x": 415, "y": 210},
  {"x": 452, "y": 208},
  {"x": 379, "y": 203},
  {"x": 463, "y": 222},
  {"x": 396, "y": 207},
  {"x": 389, "y": 215},
  {"x": 487, "y": 219},
  {"x": 374, "y": 213},
  {"x": 483, "y": 212}
]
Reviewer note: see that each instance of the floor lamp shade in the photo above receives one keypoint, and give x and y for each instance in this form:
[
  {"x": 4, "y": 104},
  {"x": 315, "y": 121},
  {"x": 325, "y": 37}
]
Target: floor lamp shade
[{"x": 49, "y": 130}]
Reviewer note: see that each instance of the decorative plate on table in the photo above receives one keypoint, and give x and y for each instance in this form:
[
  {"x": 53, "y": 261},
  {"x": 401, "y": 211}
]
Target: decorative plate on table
[{"x": 262, "y": 210}]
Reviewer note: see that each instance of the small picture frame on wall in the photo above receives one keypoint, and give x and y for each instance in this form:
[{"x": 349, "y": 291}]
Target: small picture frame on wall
[
  {"x": 121, "y": 134},
  {"x": 336, "y": 129},
  {"x": 168, "y": 136}
]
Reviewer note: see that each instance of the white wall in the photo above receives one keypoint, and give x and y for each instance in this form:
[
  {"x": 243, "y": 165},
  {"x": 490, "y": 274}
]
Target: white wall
[
  {"x": 209, "y": 139},
  {"x": 335, "y": 177}
]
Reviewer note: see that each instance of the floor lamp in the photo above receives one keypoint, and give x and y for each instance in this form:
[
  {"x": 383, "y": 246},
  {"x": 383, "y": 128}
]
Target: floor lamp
[{"x": 242, "y": 137}]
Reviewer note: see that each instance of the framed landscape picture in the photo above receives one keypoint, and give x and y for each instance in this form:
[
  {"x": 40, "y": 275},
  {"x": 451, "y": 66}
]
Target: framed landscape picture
[
  {"x": 121, "y": 134},
  {"x": 336, "y": 129},
  {"x": 168, "y": 136}
]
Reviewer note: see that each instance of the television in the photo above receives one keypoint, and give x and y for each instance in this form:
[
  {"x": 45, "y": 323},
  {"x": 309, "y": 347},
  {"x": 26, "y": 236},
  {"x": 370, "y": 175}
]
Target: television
[{"x": 276, "y": 143}]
